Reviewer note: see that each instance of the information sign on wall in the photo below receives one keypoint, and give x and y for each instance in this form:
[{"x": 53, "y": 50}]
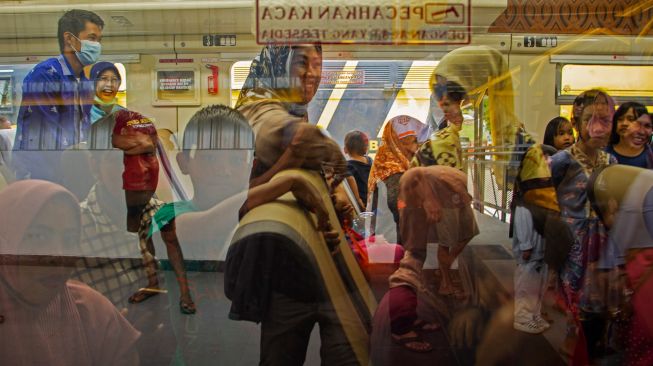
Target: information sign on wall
[
  {"x": 362, "y": 22},
  {"x": 176, "y": 87}
]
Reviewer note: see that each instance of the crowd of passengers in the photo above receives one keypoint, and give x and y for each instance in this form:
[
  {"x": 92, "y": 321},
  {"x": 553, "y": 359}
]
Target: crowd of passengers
[{"x": 295, "y": 257}]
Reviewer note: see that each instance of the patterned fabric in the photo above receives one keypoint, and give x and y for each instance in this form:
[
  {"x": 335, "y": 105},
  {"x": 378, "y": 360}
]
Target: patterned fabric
[
  {"x": 572, "y": 17},
  {"x": 444, "y": 149},
  {"x": 391, "y": 158},
  {"x": 571, "y": 170},
  {"x": 106, "y": 265}
]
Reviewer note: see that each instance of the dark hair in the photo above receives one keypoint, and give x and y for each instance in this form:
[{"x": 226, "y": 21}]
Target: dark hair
[
  {"x": 586, "y": 99},
  {"x": 638, "y": 109},
  {"x": 356, "y": 142},
  {"x": 217, "y": 127},
  {"x": 451, "y": 89},
  {"x": 74, "y": 21},
  {"x": 552, "y": 129}
]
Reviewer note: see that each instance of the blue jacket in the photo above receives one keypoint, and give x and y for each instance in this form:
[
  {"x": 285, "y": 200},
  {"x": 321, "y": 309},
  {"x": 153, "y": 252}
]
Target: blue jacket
[{"x": 54, "y": 115}]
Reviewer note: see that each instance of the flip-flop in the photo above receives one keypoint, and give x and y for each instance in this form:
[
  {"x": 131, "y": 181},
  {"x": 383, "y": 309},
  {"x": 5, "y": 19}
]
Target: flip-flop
[
  {"x": 144, "y": 294},
  {"x": 406, "y": 341}
]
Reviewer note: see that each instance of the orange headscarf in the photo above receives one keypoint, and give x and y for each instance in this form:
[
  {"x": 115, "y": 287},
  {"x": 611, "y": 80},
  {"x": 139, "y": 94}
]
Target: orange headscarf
[{"x": 391, "y": 158}]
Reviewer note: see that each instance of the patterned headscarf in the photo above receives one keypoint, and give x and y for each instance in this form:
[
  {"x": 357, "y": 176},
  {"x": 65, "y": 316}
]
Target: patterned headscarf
[
  {"x": 390, "y": 158},
  {"x": 269, "y": 77}
]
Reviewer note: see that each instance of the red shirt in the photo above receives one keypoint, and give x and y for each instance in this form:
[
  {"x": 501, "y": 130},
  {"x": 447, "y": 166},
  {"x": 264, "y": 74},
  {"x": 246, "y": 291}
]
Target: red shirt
[{"x": 141, "y": 164}]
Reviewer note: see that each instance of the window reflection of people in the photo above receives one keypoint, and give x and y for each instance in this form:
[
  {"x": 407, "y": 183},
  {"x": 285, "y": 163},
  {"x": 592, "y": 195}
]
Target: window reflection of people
[
  {"x": 274, "y": 100},
  {"x": 571, "y": 170},
  {"x": 559, "y": 133},
  {"x": 54, "y": 112},
  {"x": 47, "y": 319},
  {"x": 137, "y": 138},
  {"x": 215, "y": 168},
  {"x": 623, "y": 196},
  {"x": 359, "y": 163},
  {"x": 631, "y": 134},
  {"x": 399, "y": 143},
  {"x": 106, "y": 81},
  {"x": 433, "y": 205},
  {"x": 297, "y": 293},
  {"x": 444, "y": 147}
]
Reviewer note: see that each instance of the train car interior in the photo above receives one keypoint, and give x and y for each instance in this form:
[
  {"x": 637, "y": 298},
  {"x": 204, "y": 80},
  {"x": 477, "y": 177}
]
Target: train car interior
[{"x": 219, "y": 235}]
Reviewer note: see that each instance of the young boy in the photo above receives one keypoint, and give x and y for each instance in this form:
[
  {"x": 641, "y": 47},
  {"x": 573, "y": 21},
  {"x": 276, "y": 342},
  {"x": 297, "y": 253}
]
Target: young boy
[
  {"x": 214, "y": 167},
  {"x": 359, "y": 164},
  {"x": 136, "y": 136}
]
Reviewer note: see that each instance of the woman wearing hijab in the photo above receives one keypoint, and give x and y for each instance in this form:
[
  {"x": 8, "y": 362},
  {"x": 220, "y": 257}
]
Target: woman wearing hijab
[
  {"x": 106, "y": 81},
  {"x": 274, "y": 99},
  {"x": 434, "y": 205},
  {"x": 281, "y": 270},
  {"x": 571, "y": 170},
  {"x": 623, "y": 197},
  {"x": 398, "y": 146},
  {"x": 45, "y": 319}
]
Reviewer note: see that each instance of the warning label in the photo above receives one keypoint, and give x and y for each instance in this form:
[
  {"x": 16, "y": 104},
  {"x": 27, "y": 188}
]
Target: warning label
[{"x": 348, "y": 22}]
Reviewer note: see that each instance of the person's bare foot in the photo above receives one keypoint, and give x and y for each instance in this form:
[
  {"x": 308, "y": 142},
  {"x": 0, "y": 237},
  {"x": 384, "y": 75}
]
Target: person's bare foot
[{"x": 144, "y": 294}]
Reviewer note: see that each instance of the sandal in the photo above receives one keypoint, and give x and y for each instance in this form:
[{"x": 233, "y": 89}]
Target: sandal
[
  {"x": 144, "y": 294},
  {"x": 410, "y": 343},
  {"x": 425, "y": 327},
  {"x": 187, "y": 307}
]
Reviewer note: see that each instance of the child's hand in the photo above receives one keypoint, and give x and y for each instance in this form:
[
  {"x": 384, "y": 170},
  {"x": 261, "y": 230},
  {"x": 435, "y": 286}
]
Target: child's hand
[{"x": 526, "y": 254}]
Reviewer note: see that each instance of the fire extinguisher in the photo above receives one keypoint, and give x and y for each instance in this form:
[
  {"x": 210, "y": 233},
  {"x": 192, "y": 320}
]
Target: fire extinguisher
[{"x": 212, "y": 79}]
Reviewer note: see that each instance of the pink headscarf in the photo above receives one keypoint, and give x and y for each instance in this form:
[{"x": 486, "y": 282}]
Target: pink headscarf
[
  {"x": 20, "y": 202},
  {"x": 50, "y": 333}
]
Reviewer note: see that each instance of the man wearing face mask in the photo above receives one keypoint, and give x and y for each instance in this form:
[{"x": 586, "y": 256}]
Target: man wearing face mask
[{"x": 55, "y": 108}]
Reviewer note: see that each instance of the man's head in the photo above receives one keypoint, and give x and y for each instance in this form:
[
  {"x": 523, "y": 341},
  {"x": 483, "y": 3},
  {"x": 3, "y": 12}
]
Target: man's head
[
  {"x": 76, "y": 26},
  {"x": 216, "y": 148},
  {"x": 356, "y": 143}
]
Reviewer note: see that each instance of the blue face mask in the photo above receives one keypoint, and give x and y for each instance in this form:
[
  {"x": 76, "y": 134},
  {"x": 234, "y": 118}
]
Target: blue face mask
[{"x": 89, "y": 52}]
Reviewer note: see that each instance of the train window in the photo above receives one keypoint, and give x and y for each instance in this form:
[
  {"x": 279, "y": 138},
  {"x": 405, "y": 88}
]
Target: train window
[{"x": 623, "y": 82}]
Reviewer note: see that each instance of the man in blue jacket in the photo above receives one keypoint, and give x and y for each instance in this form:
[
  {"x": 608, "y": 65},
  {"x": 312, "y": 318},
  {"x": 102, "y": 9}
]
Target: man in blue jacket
[{"x": 55, "y": 109}]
